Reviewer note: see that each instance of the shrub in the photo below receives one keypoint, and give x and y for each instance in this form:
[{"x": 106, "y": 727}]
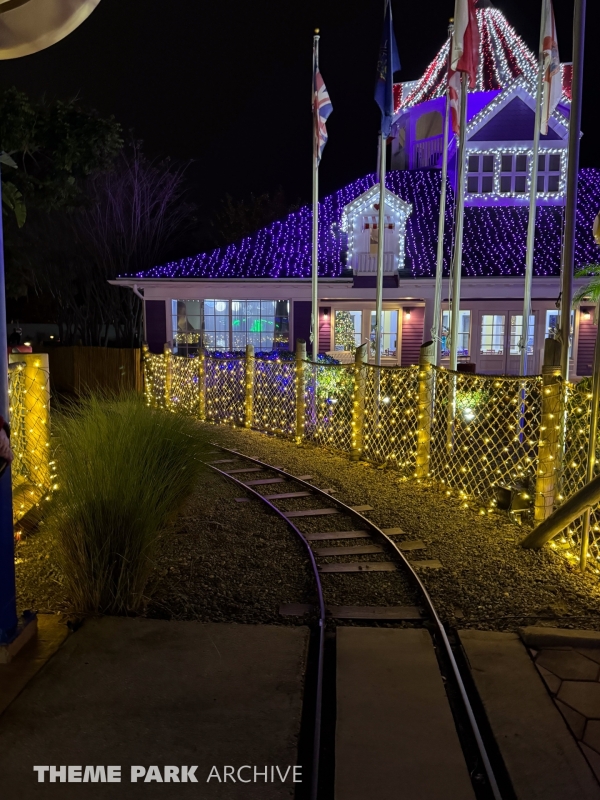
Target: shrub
[{"x": 123, "y": 469}]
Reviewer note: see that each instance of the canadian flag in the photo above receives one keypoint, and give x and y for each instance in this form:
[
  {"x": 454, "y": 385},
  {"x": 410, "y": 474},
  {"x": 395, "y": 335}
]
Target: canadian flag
[
  {"x": 552, "y": 79},
  {"x": 464, "y": 56}
]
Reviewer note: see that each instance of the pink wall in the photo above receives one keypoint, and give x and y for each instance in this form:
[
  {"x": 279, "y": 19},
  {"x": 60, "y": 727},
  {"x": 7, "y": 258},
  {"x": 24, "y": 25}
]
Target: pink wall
[
  {"x": 412, "y": 336},
  {"x": 325, "y": 342},
  {"x": 587, "y": 341}
]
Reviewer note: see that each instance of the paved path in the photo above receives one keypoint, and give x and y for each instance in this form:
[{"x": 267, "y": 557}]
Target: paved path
[
  {"x": 542, "y": 757},
  {"x": 395, "y": 735},
  {"x": 147, "y": 692}
]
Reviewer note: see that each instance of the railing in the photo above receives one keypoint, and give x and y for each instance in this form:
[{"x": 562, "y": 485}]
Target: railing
[
  {"x": 469, "y": 434},
  {"x": 366, "y": 264},
  {"x": 428, "y": 152}
]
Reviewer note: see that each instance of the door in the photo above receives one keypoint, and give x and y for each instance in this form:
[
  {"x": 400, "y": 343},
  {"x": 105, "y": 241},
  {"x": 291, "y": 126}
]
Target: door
[
  {"x": 389, "y": 343},
  {"x": 499, "y": 343}
]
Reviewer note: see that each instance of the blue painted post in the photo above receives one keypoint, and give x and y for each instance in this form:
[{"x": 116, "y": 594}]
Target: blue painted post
[{"x": 8, "y": 602}]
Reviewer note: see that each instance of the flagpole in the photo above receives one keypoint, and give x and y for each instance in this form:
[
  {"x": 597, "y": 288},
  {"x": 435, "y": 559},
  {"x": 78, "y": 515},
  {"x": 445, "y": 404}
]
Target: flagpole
[
  {"x": 439, "y": 269},
  {"x": 460, "y": 212},
  {"x": 523, "y": 342},
  {"x": 380, "y": 246},
  {"x": 314, "y": 323},
  {"x": 572, "y": 176}
]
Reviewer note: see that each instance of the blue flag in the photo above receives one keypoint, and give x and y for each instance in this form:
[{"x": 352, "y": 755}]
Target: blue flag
[{"x": 389, "y": 62}]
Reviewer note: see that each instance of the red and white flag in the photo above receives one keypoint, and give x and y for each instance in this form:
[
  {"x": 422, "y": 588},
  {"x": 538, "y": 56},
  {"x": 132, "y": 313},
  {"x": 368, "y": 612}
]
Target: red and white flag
[
  {"x": 464, "y": 56},
  {"x": 552, "y": 79},
  {"x": 455, "y": 95}
]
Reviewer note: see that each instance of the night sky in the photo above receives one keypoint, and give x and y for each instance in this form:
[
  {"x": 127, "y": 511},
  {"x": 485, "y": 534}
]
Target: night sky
[{"x": 227, "y": 83}]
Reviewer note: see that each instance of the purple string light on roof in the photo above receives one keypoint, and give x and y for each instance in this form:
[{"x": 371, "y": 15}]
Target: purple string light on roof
[{"x": 494, "y": 236}]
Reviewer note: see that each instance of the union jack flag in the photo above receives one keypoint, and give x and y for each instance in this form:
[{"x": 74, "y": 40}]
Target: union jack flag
[{"x": 322, "y": 108}]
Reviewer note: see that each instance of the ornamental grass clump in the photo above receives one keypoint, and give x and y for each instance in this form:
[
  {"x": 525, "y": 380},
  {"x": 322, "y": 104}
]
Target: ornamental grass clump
[{"x": 124, "y": 470}]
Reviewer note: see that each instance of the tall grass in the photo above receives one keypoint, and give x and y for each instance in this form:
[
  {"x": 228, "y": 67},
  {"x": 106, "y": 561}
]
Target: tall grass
[{"x": 123, "y": 469}]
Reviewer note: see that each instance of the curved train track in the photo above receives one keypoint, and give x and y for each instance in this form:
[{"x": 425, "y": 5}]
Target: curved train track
[{"x": 383, "y": 545}]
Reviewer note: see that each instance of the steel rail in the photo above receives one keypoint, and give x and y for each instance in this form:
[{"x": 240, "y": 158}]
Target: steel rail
[
  {"x": 321, "y": 648},
  {"x": 426, "y": 596}
]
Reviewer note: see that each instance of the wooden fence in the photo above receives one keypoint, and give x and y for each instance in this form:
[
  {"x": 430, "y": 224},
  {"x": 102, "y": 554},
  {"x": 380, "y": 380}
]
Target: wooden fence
[{"x": 75, "y": 370}]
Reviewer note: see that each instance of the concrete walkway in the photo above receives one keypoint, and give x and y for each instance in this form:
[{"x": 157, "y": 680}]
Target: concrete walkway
[
  {"x": 540, "y": 754},
  {"x": 153, "y": 693}
]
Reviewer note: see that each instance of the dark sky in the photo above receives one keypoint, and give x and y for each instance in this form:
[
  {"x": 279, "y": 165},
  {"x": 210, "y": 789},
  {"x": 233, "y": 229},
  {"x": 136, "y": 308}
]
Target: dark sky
[{"x": 227, "y": 83}]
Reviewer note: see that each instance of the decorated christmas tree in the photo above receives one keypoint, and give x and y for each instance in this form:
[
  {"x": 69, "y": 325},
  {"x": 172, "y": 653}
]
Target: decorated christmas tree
[{"x": 344, "y": 331}]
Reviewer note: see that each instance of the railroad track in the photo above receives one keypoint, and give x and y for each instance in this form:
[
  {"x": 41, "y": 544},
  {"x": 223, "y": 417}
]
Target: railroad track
[{"x": 379, "y": 550}]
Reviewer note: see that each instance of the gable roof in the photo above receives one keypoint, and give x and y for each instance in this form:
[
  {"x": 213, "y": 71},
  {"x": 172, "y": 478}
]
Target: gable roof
[
  {"x": 494, "y": 237},
  {"x": 514, "y": 122}
]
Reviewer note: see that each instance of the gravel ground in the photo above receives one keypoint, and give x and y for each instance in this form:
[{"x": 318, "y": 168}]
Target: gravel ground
[
  {"x": 228, "y": 561},
  {"x": 488, "y": 581}
]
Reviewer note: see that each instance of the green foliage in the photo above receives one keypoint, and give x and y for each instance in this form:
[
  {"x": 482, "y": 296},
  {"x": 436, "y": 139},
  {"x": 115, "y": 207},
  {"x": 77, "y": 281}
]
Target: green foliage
[
  {"x": 13, "y": 200},
  {"x": 54, "y": 145},
  {"x": 124, "y": 470},
  {"x": 473, "y": 399},
  {"x": 237, "y": 219},
  {"x": 333, "y": 383},
  {"x": 590, "y": 291}
]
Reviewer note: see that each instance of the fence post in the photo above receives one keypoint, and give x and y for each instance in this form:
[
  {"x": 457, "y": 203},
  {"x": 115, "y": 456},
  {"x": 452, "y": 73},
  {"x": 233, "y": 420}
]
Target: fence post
[
  {"x": 358, "y": 402},
  {"x": 549, "y": 442},
  {"x": 425, "y": 413},
  {"x": 201, "y": 384},
  {"x": 168, "y": 357},
  {"x": 300, "y": 384},
  {"x": 249, "y": 380}
]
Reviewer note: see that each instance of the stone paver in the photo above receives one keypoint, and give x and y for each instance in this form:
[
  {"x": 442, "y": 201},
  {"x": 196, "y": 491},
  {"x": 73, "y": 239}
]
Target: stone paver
[
  {"x": 583, "y": 696},
  {"x": 592, "y": 734},
  {"x": 541, "y": 637},
  {"x": 540, "y": 753},
  {"x": 592, "y": 757},
  {"x": 552, "y": 681},
  {"x": 568, "y": 665},
  {"x": 574, "y": 719}
]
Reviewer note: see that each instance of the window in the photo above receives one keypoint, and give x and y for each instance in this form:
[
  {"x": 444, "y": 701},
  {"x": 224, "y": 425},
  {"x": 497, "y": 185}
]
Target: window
[
  {"x": 230, "y": 324},
  {"x": 480, "y": 177},
  {"x": 347, "y": 330},
  {"x": 513, "y": 174},
  {"x": 389, "y": 343},
  {"x": 552, "y": 323},
  {"x": 516, "y": 330},
  {"x": 549, "y": 171},
  {"x": 492, "y": 334},
  {"x": 464, "y": 331}
]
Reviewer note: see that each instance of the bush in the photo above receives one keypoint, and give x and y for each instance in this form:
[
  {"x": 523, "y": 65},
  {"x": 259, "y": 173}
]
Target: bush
[{"x": 123, "y": 469}]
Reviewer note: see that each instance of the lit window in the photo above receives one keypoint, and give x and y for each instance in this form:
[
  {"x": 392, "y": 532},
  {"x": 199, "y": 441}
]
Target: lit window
[
  {"x": 516, "y": 330},
  {"x": 464, "y": 333},
  {"x": 492, "y": 334},
  {"x": 389, "y": 339},
  {"x": 230, "y": 325},
  {"x": 347, "y": 330}
]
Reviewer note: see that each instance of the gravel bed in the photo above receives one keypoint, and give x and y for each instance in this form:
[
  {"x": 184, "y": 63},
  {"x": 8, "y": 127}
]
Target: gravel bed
[{"x": 487, "y": 581}]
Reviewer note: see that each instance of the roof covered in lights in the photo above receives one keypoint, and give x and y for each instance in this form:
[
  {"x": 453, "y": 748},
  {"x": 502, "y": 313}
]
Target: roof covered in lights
[
  {"x": 504, "y": 58},
  {"x": 494, "y": 236}
]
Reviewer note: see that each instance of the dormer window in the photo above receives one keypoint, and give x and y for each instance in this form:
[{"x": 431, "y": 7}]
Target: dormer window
[
  {"x": 497, "y": 174},
  {"x": 480, "y": 178},
  {"x": 548, "y": 172},
  {"x": 513, "y": 174}
]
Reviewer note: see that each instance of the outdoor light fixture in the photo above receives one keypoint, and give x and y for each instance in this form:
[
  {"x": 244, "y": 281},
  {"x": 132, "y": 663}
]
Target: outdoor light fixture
[
  {"x": 586, "y": 314},
  {"x": 407, "y": 313}
]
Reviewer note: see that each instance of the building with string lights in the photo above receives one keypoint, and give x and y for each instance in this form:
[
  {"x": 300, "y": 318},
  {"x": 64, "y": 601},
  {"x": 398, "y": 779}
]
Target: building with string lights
[{"x": 257, "y": 291}]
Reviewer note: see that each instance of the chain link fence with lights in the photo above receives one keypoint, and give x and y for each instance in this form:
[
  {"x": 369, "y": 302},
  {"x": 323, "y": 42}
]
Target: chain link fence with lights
[
  {"x": 32, "y": 470},
  {"x": 474, "y": 435}
]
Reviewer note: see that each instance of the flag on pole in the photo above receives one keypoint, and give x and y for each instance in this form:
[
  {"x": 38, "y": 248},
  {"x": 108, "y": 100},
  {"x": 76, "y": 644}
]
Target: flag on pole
[
  {"x": 552, "y": 79},
  {"x": 388, "y": 63},
  {"x": 464, "y": 56},
  {"x": 455, "y": 96},
  {"x": 322, "y": 108}
]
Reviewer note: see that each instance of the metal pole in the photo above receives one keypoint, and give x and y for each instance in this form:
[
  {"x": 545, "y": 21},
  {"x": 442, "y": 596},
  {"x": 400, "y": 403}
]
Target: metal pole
[
  {"x": 439, "y": 269},
  {"x": 572, "y": 175},
  {"x": 532, "y": 206},
  {"x": 380, "y": 246},
  {"x": 8, "y": 600},
  {"x": 591, "y": 453},
  {"x": 460, "y": 213},
  {"x": 315, "y": 215}
]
